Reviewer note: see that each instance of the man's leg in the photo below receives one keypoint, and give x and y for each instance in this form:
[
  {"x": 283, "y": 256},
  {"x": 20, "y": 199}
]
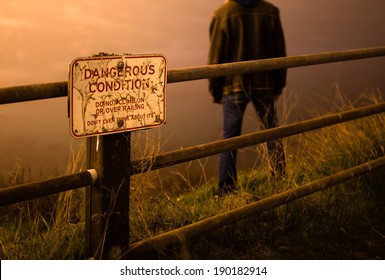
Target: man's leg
[
  {"x": 234, "y": 106},
  {"x": 265, "y": 105}
]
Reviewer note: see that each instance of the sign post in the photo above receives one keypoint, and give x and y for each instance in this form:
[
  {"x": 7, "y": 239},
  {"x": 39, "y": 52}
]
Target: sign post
[
  {"x": 107, "y": 202},
  {"x": 110, "y": 96}
]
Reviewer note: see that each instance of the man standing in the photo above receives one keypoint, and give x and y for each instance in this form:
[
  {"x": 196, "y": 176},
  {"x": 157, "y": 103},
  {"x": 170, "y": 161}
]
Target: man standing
[{"x": 243, "y": 30}]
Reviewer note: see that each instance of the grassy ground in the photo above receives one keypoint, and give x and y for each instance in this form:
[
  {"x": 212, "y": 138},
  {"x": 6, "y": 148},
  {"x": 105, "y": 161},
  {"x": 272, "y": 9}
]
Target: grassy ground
[{"x": 344, "y": 222}]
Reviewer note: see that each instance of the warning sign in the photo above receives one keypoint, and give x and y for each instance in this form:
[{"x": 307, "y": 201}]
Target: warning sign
[{"x": 113, "y": 94}]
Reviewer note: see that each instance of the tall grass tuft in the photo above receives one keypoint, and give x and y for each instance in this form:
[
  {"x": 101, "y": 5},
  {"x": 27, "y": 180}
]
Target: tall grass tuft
[{"x": 45, "y": 228}]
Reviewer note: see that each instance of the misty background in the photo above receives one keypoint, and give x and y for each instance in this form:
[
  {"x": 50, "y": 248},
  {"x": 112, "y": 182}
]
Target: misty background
[{"x": 39, "y": 39}]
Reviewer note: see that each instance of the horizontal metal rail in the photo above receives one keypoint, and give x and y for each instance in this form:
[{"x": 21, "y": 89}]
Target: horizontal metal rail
[
  {"x": 213, "y": 148},
  {"x": 33, "y": 92},
  {"x": 183, "y": 234},
  {"x": 20, "y": 193},
  {"x": 10, "y": 195},
  {"x": 228, "y": 69},
  {"x": 60, "y": 89}
]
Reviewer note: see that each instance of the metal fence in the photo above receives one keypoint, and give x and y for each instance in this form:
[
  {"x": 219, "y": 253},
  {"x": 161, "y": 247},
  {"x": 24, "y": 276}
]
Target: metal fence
[{"x": 108, "y": 178}]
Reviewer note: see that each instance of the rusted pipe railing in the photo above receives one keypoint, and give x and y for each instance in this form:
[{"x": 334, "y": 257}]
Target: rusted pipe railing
[
  {"x": 213, "y": 148},
  {"x": 183, "y": 234},
  {"x": 228, "y": 69},
  {"x": 20, "y": 193},
  {"x": 34, "y": 190},
  {"x": 60, "y": 89},
  {"x": 33, "y": 92}
]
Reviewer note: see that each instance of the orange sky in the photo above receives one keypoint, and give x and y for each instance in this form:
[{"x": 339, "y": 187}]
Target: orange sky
[{"x": 39, "y": 39}]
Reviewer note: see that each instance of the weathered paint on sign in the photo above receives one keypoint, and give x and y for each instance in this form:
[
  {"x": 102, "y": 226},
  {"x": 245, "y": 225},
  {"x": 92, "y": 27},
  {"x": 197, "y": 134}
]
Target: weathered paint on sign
[{"x": 113, "y": 94}]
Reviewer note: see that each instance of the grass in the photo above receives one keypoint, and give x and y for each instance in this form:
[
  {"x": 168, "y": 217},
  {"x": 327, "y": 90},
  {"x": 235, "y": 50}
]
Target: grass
[
  {"x": 46, "y": 228},
  {"x": 51, "y": 228},
  {"x": 311, "y": 156}
]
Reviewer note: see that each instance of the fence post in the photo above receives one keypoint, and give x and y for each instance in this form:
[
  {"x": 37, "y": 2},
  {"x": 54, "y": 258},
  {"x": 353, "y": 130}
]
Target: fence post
[{"x": 107, "y": 217}]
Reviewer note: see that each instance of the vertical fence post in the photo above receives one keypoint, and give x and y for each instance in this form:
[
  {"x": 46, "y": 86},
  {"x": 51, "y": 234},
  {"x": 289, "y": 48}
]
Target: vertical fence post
[{"x": 107, "y": 218}]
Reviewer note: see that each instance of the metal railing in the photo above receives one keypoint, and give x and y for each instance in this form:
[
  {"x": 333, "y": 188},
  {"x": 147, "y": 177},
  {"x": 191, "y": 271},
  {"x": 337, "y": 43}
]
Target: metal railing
[
  {"x": 94, "y": 177},
  {"x": 60, "y": 89}
]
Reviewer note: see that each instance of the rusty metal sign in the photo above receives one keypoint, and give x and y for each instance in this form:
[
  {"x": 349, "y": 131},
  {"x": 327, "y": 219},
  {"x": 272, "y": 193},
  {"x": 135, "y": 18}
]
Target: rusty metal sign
[{"x": 113, "y": 94}]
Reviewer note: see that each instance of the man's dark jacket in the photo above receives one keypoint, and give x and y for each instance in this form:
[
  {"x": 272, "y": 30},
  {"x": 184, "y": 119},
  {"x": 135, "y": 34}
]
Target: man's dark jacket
[{"x": 243, "y": 30}]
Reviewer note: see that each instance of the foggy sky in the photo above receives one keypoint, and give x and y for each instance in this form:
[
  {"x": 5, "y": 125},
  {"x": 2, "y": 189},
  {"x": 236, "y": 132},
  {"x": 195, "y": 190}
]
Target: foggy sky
[{"x": 39, "y": 39}]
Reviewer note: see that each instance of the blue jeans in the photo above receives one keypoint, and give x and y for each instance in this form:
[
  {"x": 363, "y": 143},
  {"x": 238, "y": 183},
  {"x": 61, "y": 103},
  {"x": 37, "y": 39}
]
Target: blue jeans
[{"x": 234, "y": 106}]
